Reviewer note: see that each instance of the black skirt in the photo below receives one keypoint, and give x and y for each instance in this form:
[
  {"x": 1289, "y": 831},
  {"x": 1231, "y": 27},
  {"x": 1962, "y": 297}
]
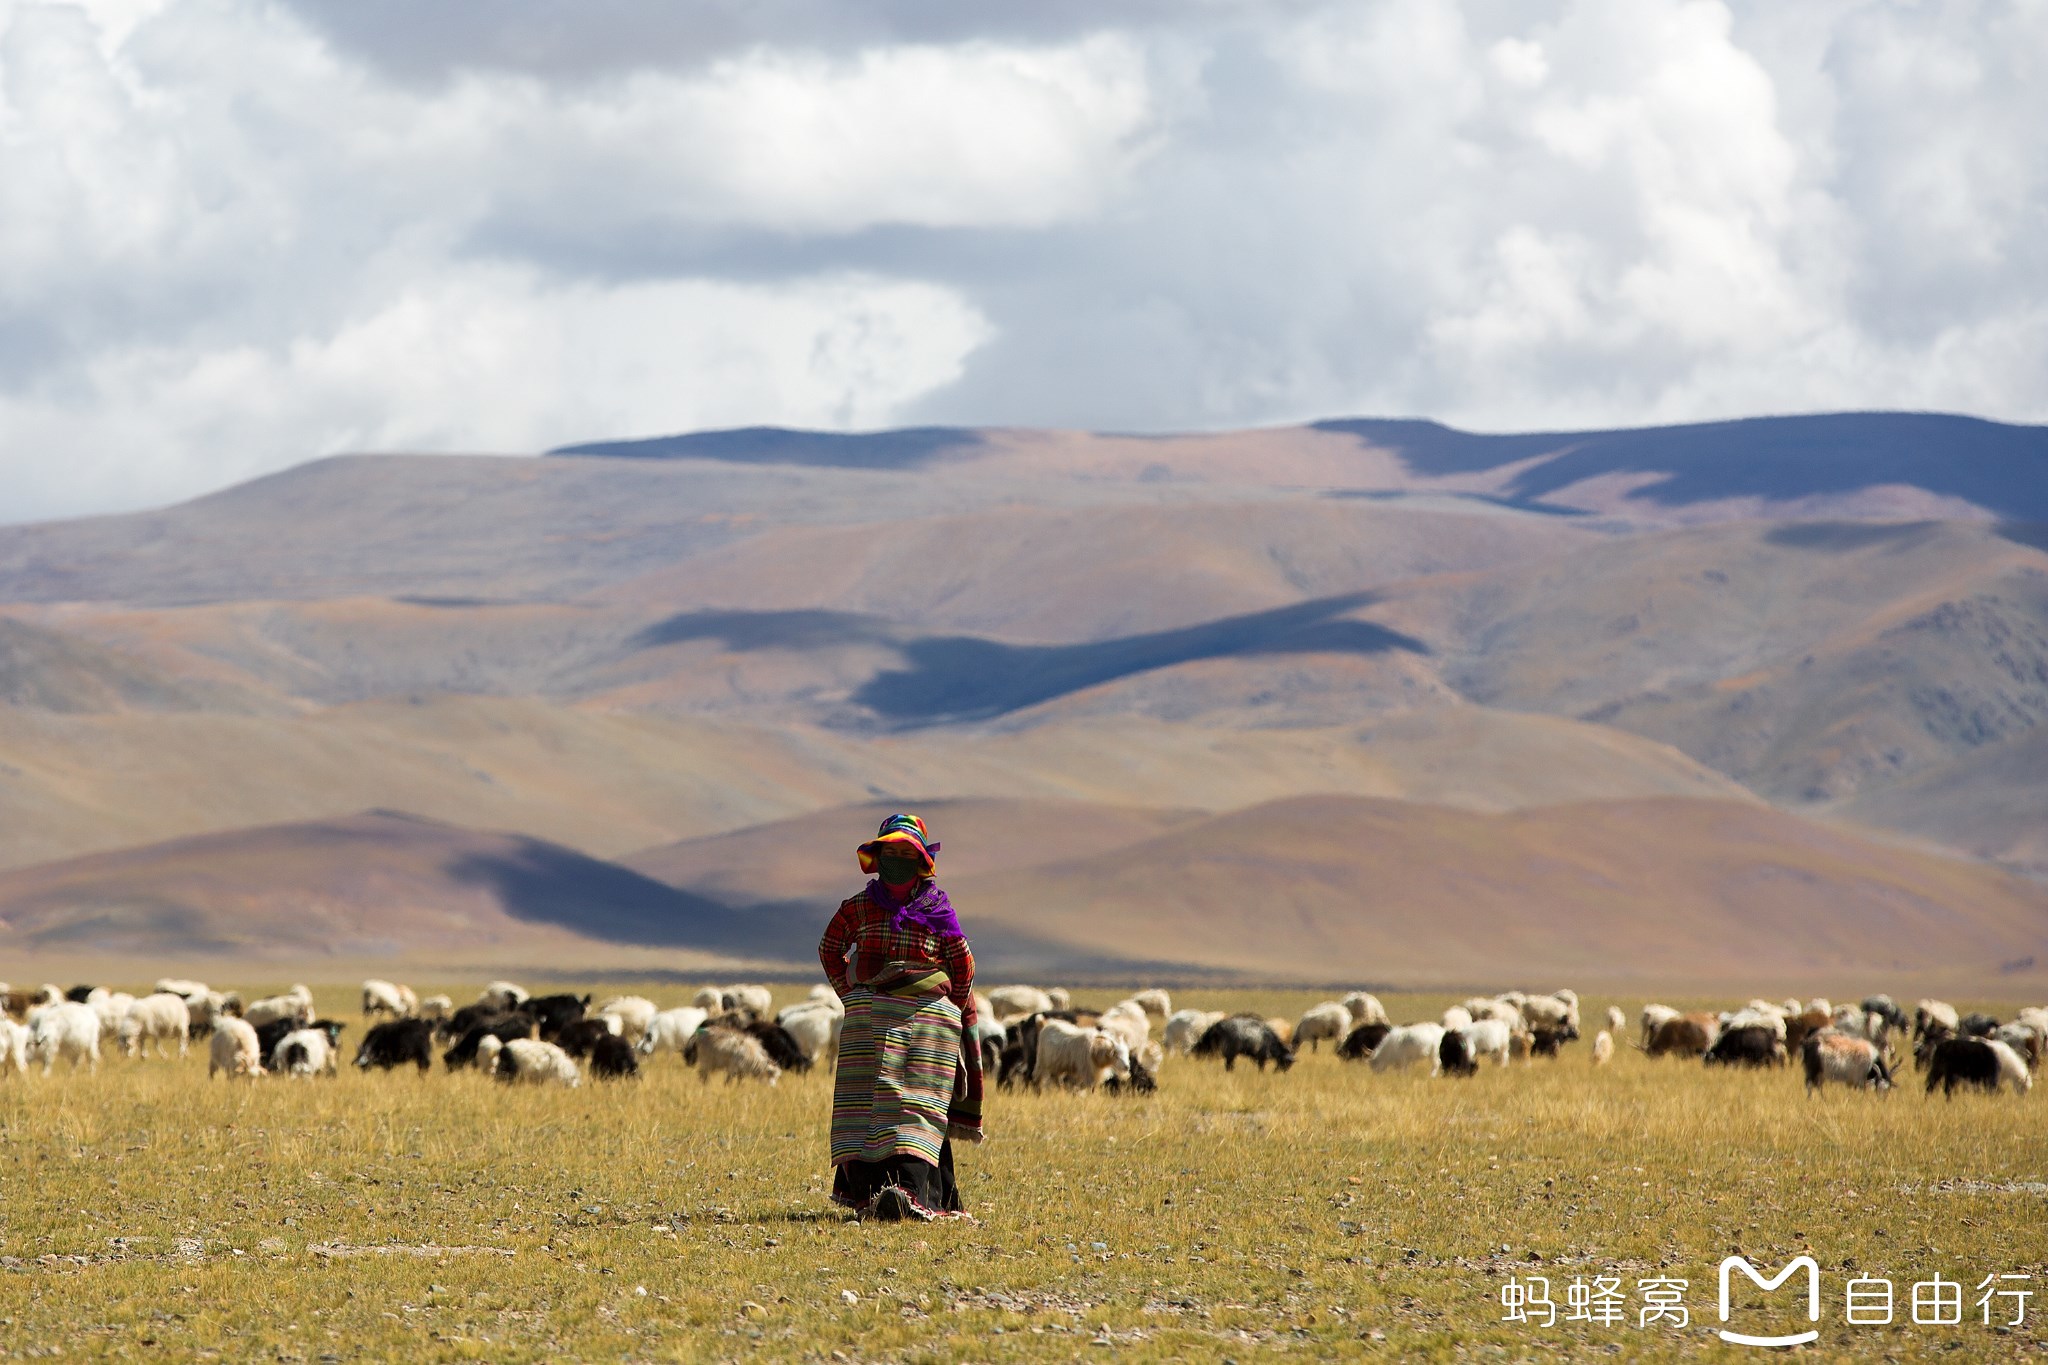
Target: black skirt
[{"x": 931, "y": 1190}]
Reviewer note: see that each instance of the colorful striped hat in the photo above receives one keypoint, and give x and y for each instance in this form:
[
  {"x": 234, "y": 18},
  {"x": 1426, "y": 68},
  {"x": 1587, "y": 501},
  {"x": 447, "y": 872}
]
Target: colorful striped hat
[{"x": 905, "y": 830}]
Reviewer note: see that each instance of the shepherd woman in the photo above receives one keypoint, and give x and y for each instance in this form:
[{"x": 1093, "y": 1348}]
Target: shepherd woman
[{"x": 905, "y": 1086}]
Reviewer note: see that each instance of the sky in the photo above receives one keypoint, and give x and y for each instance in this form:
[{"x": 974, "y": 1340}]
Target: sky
[{"x": 239, "y": 234}]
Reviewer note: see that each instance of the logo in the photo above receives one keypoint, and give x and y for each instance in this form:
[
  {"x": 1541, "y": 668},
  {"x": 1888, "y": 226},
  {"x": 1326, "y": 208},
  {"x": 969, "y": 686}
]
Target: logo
[{"x": 1812, "y": 1269}]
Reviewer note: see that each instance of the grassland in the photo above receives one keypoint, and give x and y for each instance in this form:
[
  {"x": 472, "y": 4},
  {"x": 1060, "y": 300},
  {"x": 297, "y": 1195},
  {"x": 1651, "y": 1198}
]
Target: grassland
[{"x": 1326, "y": 1213}]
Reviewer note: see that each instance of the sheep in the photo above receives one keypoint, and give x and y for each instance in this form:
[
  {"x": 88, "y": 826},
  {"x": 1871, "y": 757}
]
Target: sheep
[
  {"x": 1059, "y": 997},
  {"x": 468, "y": 1017},
  {"x": 396, "y": 1043},
  {"x": 504, "y": 1028},
  {"x": 1557, "y": 1013},
  {"x": 1653, "y": 1018},
  {"x": 816, "y": 1031},
  {"x": 1016, "y": 1002},
  {"x": 304, "y": 1052},
  {"x": 112, "y": 1007},
  {"x": 826, "y": 999},
  {"x": 2011, "y": 1068},
  {"x": 533, "y": 1062},
  {"x": 65, "y": 1029},
  {"x": 1845, "y": 1060},
  {"x": 1819, "y": 1003},
  {"x": 782, "y": 1049},
  {"x": 1366, "y": 1009},
  {"x": 1069, "y": 1054},
  {"x": 1750, "y": 1044},
  {"x": 1455, "y": 1018},
  {"x": 155, "y": 1018},
  {"x": 989, "y": 1038},
  {"x": 1603, "y": 1043},
  {"x": 1978, "y": 1025},
  {"x": 487, "y": 1049},
  {"x": 1487, "y": 1038},
  {"x": 1454, "y": 1055},
  {"x": 612, "y": 1059},
  {"x": 709, "y": 999},
  {"x": 503, "y": 996},
  {"x": 2024, "y": 1039},
  {"x": 234, "y": 1050},
  {"x": 672, "y": 1029},
  {"x": 434, "y": 1008},
  {"x": 1804, "y": 1025},
  {"x": 1688, "y": 1035},
  {"x": 635, "y": 1014},
  {"x": 1930, "y": 1015},
  {"x": 753, "y": 999},
  {"x": 1616, "y": 1020},
  {"x": 1328, "y": 1020},
  {"x": 1283, "y": 1029},
  {"x": 1409, "y": 1044},
  {"x": 1155, "y": 1002},
  {"x": 178, "y": 985},
  {"x": 1968, "y": 1061},
  {"x": 1362, "y": 1041},
  {"x": 202, "y": 1010},
  {"x": 13, "y": 1047},
  {"x": 383, "y": 997},
  {"x": 1770, "y": 1021},
  {"x": 739, "y": 1056},
  {"x": 1129, "y": 1022},
  {"x": 553, "y": 1013},
  {"x": 296, "y": 1003},
  {"x": 1244, "y": 1035},
  {"x": 1186, "y": 1027}
]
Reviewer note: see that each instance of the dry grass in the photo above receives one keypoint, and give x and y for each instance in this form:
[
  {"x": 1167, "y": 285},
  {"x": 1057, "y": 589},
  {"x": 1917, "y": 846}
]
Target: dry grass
[{"x": 1328, "y": 1212}]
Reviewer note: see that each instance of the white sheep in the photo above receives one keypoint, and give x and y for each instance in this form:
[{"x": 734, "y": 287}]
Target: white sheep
[
  {"x": 13, "y": 1047},
  {"x": 1493, "y": 1007},
  {"x": 738, "y": 1056},
  {"x": 178, "y": 985},
  {"x": 1085, "y": 1057},
  {"x": 532, "y": 1062},
  {"x": 1129, "y": 1023},
  {"x": 1061, "y": 1000},
  {"x": 1750, "y": 1017},
  {"x": 758, "y": 1001},
  {"x": 435, "y": 1008},
  {"x": 1018, "y": 1002},
  {"x": 672, "y": 1030},
  {"x": 1409, "y": 1044},
  {"x": 710, "y": 999},
  {"x": 66, "y": 1029},
  {"x": 1845, "y": 1060},
  {"x": 487, "y": 1049},
  {"x": 504, "y": 995},
  {"x": 1488, "y": 1038},
  {"x": 815, "y": 1030},
  {"x": 1551, "y": 1012},
  {"x": 1457, "y": 1017},
  {"x": 1186, "y": 1028},
  {"x": 304, "y": 1052},
  {"x": 234, "y": 1049},
  {"x": 112, "y": 1007},
  {"x": 158, "y": 1019},
  {"x": 631, "y": 1016},
  {"x": 1616, "y": 1020},
  {"x": 202, "y": 1010},
  {"x": 1156, "y": 1003},
  {"x": 295, "y": 1004},
  {"x": 1603, "y": 1044},
  {"x": 825, "y": 998},
  {"x": 1329, "y": 1020},
  {"x": 383, "y": 997},
  {"x": 1366, "y": 1009}
]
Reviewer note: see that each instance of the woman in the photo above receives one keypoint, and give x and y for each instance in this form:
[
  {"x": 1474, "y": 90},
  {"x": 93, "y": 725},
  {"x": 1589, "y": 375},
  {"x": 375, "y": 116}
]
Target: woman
[{"x": 905, "y": 1087}]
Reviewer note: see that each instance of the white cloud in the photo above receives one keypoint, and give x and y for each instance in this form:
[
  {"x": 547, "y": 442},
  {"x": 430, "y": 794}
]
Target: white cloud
[{"x": 239, "y": 233}]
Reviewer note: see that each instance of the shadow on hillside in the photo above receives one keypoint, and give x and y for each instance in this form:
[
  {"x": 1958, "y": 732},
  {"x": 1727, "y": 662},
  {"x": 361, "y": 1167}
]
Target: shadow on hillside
[
  {"x": 966, "y": 678},
  {"x": 1995, "y": 466},
  {"x": 907, "y": 448}
]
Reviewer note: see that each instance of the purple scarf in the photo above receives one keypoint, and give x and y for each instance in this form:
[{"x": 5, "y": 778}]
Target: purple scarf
[{"x": 928, "y": 909}]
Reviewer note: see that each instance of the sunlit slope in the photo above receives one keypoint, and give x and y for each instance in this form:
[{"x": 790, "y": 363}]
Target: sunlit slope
[{"x": 1331, "y": 888}]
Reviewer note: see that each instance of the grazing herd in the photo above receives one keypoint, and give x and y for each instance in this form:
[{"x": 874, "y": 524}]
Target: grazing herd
[{"x": 1026, "y": 1035}]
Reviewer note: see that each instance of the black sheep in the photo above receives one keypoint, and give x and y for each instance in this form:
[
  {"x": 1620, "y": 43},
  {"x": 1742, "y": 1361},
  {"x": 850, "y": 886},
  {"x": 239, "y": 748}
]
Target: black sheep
[
  {"x": 78, "y": 995},
  {"x": 611, "y": 1057},
  {"x": 578, "y": 1038},
  {"x": 1754, "y": 1045},
  {"x": 553, "y": 1013},
  {"x": 1244, "y": 1035},
  {"x": 1454, "y": 1054},
  {"x": 504, "y": 1028},
  {"x": 1962, "y": 1061},
  {"x": 1978, "y": 1026},
  {"x": 397, "y": 1042},
  {"x": 1362, "y": 1041}
]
